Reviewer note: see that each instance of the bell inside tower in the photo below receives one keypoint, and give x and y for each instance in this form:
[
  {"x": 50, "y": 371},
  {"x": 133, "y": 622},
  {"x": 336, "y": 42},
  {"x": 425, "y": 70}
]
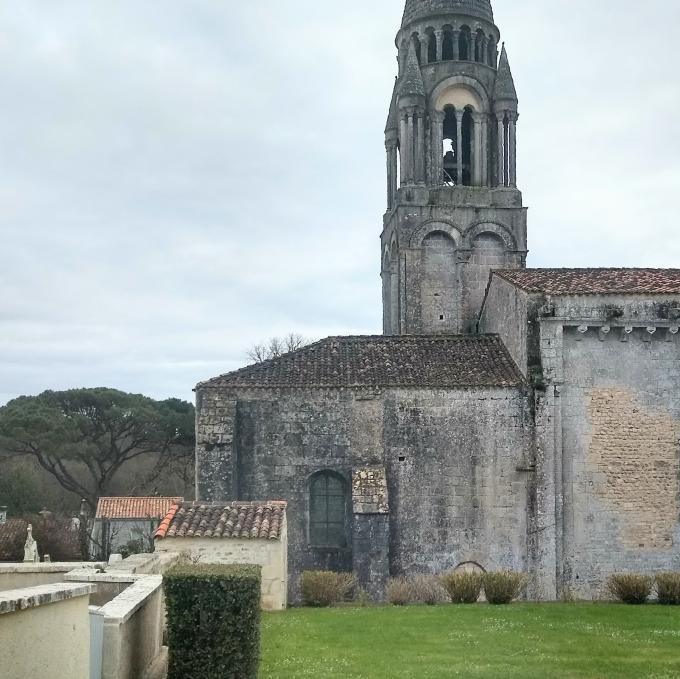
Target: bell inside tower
[{"x": 453, "y": 136}]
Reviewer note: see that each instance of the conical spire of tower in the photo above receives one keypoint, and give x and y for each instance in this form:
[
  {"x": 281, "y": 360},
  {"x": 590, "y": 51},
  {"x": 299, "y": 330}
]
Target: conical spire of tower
[
  {"x": 504, "y": 88},
  {"x": 418, "y": 9},
  {"x": 412, "y": 82}
]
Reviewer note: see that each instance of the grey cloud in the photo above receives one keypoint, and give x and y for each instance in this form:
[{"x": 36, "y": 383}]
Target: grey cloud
[{"x": 180, "y": 180}]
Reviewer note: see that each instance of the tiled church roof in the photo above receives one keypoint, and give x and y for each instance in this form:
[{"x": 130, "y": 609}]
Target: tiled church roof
[
  {"x": 235, "y": 520},
  {"x": 594, "y": 281},
  {"x": 134, "y": 507},
  {"x": 385, "y": 361}
]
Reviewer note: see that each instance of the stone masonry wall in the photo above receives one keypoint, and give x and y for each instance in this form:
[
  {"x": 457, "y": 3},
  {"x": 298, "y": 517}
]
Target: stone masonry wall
[
  {"x": 620, "y": 416},
  {"x": 456, "y": 494},
  {"x": 486, "y": 228},
  {"x": 505, "y": 312},
  {"x": 451, "y": 459}
]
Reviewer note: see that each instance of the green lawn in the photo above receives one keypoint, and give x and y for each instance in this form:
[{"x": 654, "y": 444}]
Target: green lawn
[{"x": 522, "y": 641}]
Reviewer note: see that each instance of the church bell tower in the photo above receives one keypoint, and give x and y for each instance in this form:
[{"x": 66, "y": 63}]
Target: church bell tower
[{"x": 453, "y": 208}]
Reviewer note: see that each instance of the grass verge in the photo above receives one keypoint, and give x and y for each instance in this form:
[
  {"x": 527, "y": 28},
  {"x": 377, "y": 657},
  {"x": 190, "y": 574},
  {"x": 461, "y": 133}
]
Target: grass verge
[{"x": 522, "y": 641}]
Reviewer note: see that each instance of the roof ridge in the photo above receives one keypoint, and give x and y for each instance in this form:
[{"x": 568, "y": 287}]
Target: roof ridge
[
  {"x": 586, "y": 268},
  {"x": 593, "y": 280},
  {"x": 384, "y": 361},
  {"x": 239, "y": 519}
]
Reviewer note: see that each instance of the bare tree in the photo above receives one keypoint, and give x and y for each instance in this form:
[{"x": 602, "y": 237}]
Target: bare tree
[{"x": 277, "y": 346}]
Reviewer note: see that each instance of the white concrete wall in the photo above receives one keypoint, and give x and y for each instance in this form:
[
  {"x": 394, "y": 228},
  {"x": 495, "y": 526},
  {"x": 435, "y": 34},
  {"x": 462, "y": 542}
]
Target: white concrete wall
[
  {"x": 23, "y": 575},
  {"x": 271, "y": 555},
  {"x": 133, "y": 629},
  {"x": 45, "y": 632}
]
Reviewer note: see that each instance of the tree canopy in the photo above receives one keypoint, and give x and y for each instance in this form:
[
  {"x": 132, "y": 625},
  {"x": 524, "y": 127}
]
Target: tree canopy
[{"x": 95, "y": 431}]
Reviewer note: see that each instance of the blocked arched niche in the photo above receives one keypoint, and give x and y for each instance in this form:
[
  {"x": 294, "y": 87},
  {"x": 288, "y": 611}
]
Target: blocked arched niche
[
  {"x": 501, "y": 232},
  {"x": 488, "y": 252},
  {"x": 460, "y": 92},
  {"x": 427, "y": 228},
  {"x": 439, "y": 283}
]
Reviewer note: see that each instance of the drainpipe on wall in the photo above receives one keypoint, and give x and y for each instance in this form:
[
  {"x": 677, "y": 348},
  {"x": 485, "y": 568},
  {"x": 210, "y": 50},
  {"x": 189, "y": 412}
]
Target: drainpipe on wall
[{"x": 3, "y": 515}]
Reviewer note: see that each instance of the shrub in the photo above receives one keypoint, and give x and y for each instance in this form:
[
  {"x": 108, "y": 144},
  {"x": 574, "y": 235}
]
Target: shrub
[
  {"x": 419, "y": 589},
  {"x": 463, "y": 587},
  {"x": 325, "y": 588},
  {"x": 668, "y": 588},
  {"x": 213, "y": 621},
  {"x": 399, "y": 591},
  {"x": 503, "y": 587},
  {"x": 630, "y": 588},
  {"x": 427, "y": 589}
]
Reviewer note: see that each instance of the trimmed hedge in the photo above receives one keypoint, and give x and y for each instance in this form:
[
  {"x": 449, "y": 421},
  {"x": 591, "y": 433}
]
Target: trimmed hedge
[{"x": 213, "y": 621}]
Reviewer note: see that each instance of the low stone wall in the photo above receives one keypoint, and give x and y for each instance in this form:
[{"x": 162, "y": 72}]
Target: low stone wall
[
  {"x": 45, "y": 631},
  {"x": 130, "y": 626},
  {"x": 133, "y": 630},
  {"x": 118, "y": 616},
  {"x": 24, "y": 575}
]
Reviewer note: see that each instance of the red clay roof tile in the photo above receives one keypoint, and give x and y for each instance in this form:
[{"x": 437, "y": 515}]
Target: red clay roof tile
[
  {"x": 594, "y": 281},
  {"x": 384, "y": 361},
  {"x": 135, "y": 507},
  {"x": 231, "y": 520}
]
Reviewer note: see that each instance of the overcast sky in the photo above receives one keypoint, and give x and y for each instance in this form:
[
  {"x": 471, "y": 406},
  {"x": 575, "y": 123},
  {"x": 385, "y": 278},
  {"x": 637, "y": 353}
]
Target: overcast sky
[{"x": 181, "y": 179}]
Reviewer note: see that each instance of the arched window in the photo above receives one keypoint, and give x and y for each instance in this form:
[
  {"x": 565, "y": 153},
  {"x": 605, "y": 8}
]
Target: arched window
[
  {"x": 464, "y": 45},
  {"x": 491, "y": 48},
  {"x": 327, "y": 511},
  {"x": 447, "y": 44},
  {"x": 480, "y": 57},
  {"x": 418, "y": 47},
  {"x": 431, "y": 47}
]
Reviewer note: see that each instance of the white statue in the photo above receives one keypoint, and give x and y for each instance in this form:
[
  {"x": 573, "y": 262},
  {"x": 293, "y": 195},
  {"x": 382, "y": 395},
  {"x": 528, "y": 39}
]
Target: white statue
[{"x": 31, "y": 548}]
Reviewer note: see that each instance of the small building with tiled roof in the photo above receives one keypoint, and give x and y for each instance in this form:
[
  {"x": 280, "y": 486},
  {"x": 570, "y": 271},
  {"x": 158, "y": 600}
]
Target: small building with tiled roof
[
  {"x": 232, "y": 533},
  {"x": 123, "y": 523}
]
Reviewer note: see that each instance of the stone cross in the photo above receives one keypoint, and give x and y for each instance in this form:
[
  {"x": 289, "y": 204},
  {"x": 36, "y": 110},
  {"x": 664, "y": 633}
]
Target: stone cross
[{"x": 31, "y": 548}]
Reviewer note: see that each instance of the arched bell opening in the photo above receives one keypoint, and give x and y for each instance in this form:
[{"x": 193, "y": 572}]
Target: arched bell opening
[
  {"x": 431, "y": 46},
  {"x": 450, "y": 146},
  {"x": 468, "y": 133},
  {"x": 458, "y": 139}
]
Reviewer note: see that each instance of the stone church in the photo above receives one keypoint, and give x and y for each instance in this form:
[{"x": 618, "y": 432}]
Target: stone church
[{"x": 507, "y": 417}]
